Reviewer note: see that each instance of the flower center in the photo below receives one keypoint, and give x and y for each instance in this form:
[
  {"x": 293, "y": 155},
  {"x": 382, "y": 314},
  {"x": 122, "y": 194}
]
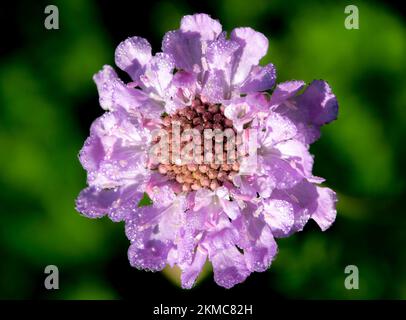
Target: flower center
[{"x": 215, "y": 156}]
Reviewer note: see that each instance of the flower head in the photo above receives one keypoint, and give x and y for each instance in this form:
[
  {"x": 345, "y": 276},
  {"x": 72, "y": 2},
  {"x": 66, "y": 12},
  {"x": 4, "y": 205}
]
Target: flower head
[{"x": 226, "y": 165}]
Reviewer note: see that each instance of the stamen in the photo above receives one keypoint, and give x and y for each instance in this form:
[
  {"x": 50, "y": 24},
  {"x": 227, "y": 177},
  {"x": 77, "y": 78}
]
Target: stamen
[{"x": 194, "y": 176}]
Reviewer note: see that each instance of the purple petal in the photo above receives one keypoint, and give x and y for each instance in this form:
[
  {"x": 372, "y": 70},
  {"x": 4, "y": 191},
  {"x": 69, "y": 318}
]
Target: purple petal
[
  {"x": 221, "y": 236},
  {"x": 279, "y": 215},
  {"x": 229, "y": 267},
  {"x": 92, "y": 153},
  {"x": 254, "y": 46},
  {"x": 158, "y": 74},
  {"x": 117, "y": 203},
  {"x": 114, "y": 154},
  {"x": 281, "y": 171},
  {"x": 188, "y": 44},
  {"x": 113, "y": 94},
  {"x": 216, "y": 87},
  {"x": 185, "y": 48},
  {"x": 203, "y": 24},
  {"x": 153, "y": 231},
  {"x": 141, "y": 219},
  {"x": 162, "y": 196},
  {"x": 108, "y": 84},
  {"x": 240, "y": 113},
  {"x": 127, "y": 201},
  {"x": 94, "y": 203},
  {"x": 277, "y": 129},
  {"x": 150, "y": 256},
  {"x": 260, "y": 255},
  {"x": 190, "y": 272},
  {"x": 256, "y": 239},
  {"x": 259, "y": 79},
  {"x": 285, "y": 91},
  {"x": 320, "y": 102},
  {"x": 325, "y": 213},
  {"x": 186, "y": 243},
  {"x": 230, "y": 207},
  {"x": 303, "y": 199},
  {"x": 165, "y": 221},
  {"x": 221, "y": 55},
  {"x": 247, "y": 186},
  {"x": 132, "y": 55},
  {"x": 203, "y": 198},
  {"x": 309, "y": 110},
  {"x": 298, "y": 155},
  {"x": 182, "y": 90}
]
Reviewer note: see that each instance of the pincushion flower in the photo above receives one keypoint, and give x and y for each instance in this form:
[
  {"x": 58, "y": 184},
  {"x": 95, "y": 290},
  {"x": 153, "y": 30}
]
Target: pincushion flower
[{"x": 225, "y": 204}]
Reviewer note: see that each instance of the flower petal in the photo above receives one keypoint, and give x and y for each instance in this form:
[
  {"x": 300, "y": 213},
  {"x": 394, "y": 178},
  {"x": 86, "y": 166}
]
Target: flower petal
[
  {"x": 221, "y": 55},
  {"x": 298, "y": 155},
  {"x": 114, "y": 154},
  {"x": 185, "y": 48},
  {"x": 326, "y": 212},
  {"x": 215, "y": 87},
  {"x": 279, "y": 215},
  {"x": 106, "y": 81},
  {"x": 150, "y": 256},
  {"x": 285, "y": 91},
  {"x": 127, "y": 201},
  {"x": 253, "y": 46},
  {"x": 162, "y": 196},
  {"x": 320, "y": 103},
  {"x": 92, "y": 153},
  {"x": 203, "y": 24},
  {"x": 229, "y": 267},
  {"x": 259, "y": 79},
  {"x": 303, "y": 199},
  {"x": 240, "y": 113},
  {"x": 112, "y": 91},
  {"x": 229, "y": 206},
  {"x": 158, "y": 74},
  {"x": 190, "y": 272},
  {"x": 114, "y": 94},
  {"x": 316, "y": 106},
  {"x": 116, "y": 203},
  {"x": 256, "y": 239},
  {"x": 132, "y": 55},
  {"x": 153, "y": 232},
  {"x": 281, "y": 171},
  {"x": 203, "y": 198},
  {"x": 277, "y": 129},
  {"x": 94, "y": 203},
  {"x": 182, "y": 90},
  {"x": 260, "y": 255}
]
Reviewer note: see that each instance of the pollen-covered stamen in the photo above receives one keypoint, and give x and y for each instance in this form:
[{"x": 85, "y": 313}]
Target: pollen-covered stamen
[{"x": 217, "y": 165}]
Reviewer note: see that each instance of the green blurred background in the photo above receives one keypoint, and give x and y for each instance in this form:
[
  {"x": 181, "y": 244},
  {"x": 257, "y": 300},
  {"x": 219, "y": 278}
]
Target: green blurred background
[{"x": 48, "y": 101}]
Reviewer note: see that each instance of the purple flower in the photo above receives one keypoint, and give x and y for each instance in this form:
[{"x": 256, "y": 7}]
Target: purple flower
[{"x": 225, "y": 210}]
